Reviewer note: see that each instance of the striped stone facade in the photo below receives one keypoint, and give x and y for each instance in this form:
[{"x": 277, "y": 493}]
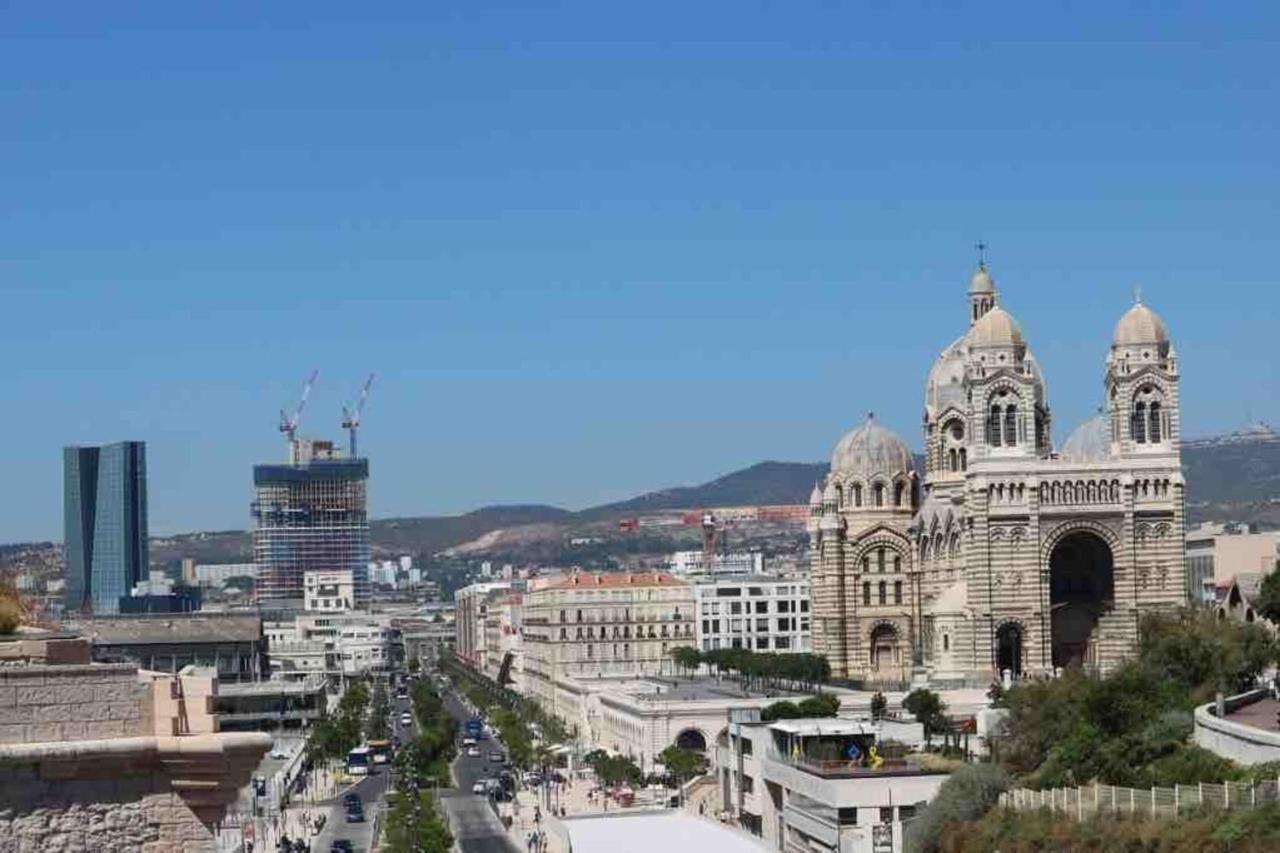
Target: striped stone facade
[{"x": 1004, "y": 553}]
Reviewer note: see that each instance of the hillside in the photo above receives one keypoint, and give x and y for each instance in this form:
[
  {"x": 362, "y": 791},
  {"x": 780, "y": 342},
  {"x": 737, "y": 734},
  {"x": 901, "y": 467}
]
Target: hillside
[{"x": 1233, "y": 477}]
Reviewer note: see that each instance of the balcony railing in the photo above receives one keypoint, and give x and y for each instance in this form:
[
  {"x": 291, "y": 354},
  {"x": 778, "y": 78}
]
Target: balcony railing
[{"x": 844, "y": 769}]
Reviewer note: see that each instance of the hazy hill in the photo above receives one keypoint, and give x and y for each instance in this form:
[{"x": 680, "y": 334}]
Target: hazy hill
[{"x": 1234, "y": 477}]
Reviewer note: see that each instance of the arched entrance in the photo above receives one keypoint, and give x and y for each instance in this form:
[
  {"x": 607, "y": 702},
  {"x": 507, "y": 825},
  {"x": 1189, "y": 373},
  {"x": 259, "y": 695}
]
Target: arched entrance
[
  {"x": 1081, "y": 589},
  {"x": 1009, "y": 649},
  {"x": 885, "y": 656},
  {"x": 692, "y": 739}
]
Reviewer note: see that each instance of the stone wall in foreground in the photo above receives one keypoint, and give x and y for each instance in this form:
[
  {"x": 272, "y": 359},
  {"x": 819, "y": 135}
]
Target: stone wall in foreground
[{"x": 97, "y": 815}]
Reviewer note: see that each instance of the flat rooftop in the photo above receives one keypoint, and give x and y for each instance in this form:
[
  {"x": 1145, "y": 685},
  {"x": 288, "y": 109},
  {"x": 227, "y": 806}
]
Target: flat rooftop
[
  {"x": 701, "y": 689},
  {"x": 645, "y": 832},
  {"x": 1259, "y": 715},
  {"x": 169, "y": 629}
]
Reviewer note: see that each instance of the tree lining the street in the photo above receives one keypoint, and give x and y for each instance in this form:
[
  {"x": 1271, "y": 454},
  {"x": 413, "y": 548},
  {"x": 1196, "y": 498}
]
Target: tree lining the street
[
  {"x": 414, "y": 825},
  {"x": 757, "y": 670}
]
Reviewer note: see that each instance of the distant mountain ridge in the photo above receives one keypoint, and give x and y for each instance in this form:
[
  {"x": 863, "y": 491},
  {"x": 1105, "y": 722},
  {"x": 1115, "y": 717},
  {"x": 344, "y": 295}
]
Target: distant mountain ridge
[{"x": 1232, "y": 477}]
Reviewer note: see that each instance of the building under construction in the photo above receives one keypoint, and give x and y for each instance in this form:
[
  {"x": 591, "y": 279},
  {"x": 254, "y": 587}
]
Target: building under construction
[{"x": 311, "y": 514}]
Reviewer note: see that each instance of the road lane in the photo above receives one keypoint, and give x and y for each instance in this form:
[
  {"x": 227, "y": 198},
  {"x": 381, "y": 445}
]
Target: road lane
[{"x": 471, "y": 818}]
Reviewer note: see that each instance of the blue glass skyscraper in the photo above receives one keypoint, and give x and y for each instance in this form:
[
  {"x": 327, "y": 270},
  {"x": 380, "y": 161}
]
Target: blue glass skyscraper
[{"x": 105, "y": 512}]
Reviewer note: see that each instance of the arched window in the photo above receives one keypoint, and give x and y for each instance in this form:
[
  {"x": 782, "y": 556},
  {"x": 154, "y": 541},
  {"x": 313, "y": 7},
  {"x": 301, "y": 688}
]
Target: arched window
[
  {"x": 1138, "y": 424},
  {"x": 993, "y": 427},
  {"x": 897, "y": 563},
  {"x": 946, "y": 642},
  {"x": 883, "y": 590},
  {"x": 898, "y": 489},
  {"x": 964, "y": 459},
  {"x": 1153, "y": 430},
  {"x": 1011, "y": 426},
  {"x": 866, "y": 564},
  {"x": 857, "y": 494},
  {"x": 878, "y": 491},
  {"x": 866, "y": 593},
  {"x": 897, "y": 592},
  {"x": 953, "y": 460},
  {"x": 880, "y": 560},
  {"x": 839, "y": 495}
]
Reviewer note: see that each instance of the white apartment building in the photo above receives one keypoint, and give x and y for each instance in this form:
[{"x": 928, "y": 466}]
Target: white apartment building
[
  {"x": 763, "y": 614},
  {"x": 472, "y": 607},
  {"x": 329, "y": 592},
  {"x": 808, "y": 785},
  {"x": 217, "y": 574},
  {"x": 335, "y": 644},
  {"x": 599, "y": 625},
  {"x": 689, "y": 563}
]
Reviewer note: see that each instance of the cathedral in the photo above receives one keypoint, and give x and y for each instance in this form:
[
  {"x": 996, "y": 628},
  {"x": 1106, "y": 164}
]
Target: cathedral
[{"x": 1000, "y": 553}]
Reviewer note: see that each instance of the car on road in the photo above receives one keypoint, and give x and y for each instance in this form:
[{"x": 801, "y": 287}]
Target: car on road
[
  {"x": 468, "y": 741},
  {"x": 406, "y": 719},
  {"x": 474, "y": 751},
  {"x": 480, "y": 787},
  {"x": 341, "y": 845},
  {"x": 355, "y": 812},
  {"x": 497, "y": 757},
  {"x": 279, "y": 753}
]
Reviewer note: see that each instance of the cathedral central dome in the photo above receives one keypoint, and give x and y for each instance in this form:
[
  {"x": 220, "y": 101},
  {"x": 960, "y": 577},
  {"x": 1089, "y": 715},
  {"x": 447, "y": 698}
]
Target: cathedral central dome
[{"x": 872, "y": 449}]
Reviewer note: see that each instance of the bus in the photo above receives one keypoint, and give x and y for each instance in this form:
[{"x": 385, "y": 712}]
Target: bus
[
  {"x": 475, "y": 728},
  {"x": 360, "y": 761},
  {"x": 379, "y": 751}
]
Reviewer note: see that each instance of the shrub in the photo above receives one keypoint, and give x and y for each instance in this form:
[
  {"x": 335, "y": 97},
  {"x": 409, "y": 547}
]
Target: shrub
[{"x": 967, "y": 795}]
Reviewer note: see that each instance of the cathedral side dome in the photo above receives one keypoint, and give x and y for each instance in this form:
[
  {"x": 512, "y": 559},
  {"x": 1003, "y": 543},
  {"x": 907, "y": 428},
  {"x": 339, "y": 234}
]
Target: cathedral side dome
[
  {"x": 1089, "y": 442},
  {"x": 996, "y": 328},
  {"x": 872, "y": 449},
  {"x": 1140, "y": 326},
  {"x": 946, "y": 379}
]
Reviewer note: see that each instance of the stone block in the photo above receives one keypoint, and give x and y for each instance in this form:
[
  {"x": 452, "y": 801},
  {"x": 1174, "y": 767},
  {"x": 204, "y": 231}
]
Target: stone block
[
  {"x": 44, "y": 732},
  {"x": 67, "y": 651},
  {"x": 13, "y": 733},
  {"x": 117, "y": 691},
  {"x": 8, "y": 696},
  {"x": 124, "y": 711},
  {"x": 46, "y": 694},
  {"x": 16, "y": 714},
  {"x": 104, "y": 729}
]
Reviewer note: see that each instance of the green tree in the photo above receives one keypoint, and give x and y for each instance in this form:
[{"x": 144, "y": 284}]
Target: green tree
[
  {"x": 819, "y": 706},
  {"x": 879, "y": 706},
  {"x": 683, "y": 764},
  {"x": 928, "y": 709},
  {"x": 1268, "y": 602},
  {"x": 784, "y": 710},
  {"x": 376, "y": 724},
  {"x": 686, "y": 658},
  {"x": 413, "y": 825}
]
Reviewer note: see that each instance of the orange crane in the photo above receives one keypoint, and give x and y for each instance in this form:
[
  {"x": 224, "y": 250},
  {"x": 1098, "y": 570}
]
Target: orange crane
[{"x": 351, "y": 415}]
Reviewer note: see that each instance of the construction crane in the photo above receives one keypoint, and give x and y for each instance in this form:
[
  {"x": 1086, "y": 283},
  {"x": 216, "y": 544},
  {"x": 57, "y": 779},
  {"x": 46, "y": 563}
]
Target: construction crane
[
  {"x": 351, "y": 415},
  {"x": 289, "y": 423}
]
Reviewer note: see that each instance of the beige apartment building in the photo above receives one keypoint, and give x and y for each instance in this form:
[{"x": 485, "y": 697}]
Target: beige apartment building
[{"x": 585, "y": 626}]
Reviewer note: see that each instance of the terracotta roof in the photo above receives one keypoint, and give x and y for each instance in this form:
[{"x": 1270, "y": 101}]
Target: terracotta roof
[{"x": 614, "y": 580}]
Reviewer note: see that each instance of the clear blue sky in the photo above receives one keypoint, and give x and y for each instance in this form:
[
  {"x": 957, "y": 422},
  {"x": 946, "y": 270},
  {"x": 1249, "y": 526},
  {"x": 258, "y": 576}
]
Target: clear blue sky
[{"x": 595, "y": 248}]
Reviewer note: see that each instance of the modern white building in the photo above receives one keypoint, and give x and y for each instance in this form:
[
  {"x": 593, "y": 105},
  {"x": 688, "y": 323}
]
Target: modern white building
[
  {"x": 756, "y": 612},
  {"x": 217, "y": 574},
  {"x": 337, "y": 644},
  {"x": 692, "y": 563},
  {"x": 814, "y": 785},
  {"x": 328, "y": 592}
]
